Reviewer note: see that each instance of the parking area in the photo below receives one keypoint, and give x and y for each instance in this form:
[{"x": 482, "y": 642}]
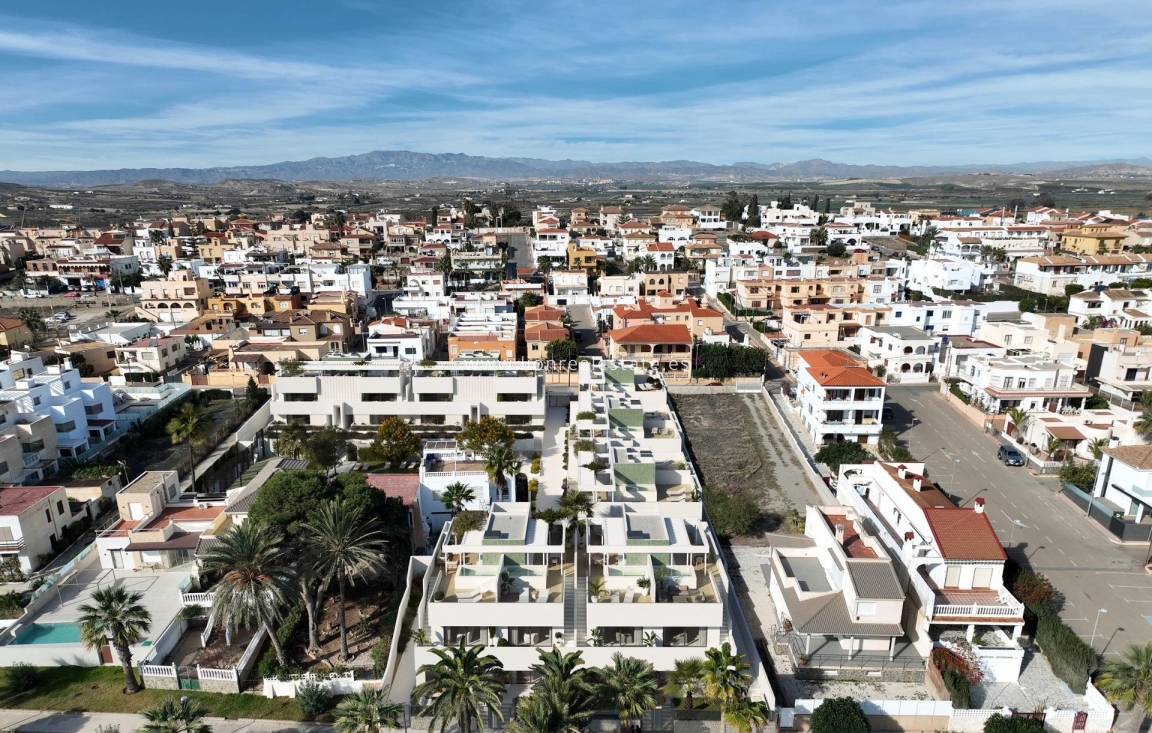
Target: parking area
[{"x": 1039, "y": 527}]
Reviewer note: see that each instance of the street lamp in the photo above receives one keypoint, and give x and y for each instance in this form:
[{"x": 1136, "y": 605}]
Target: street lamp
[
  {"x": 953, "y": 476},
  {"x": 1012, "y": 535},
  {"x": 1095, "y": 625}
]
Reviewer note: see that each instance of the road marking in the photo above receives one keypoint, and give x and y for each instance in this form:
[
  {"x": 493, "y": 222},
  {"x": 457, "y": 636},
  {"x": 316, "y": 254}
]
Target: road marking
[
  {"x": 1129, "y": 600},
  {"x": 1141, "y": 587}
]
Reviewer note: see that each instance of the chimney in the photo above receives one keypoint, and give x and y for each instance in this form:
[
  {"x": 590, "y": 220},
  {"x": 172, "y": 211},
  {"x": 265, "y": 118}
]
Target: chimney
[
  {"x": 902, "y": 471},
  {"x": 909, "y": 536},
  {"x": 917, "y": 483},
  {"x": 979, "y": 505},
  {"x": 839, "y": 532}
]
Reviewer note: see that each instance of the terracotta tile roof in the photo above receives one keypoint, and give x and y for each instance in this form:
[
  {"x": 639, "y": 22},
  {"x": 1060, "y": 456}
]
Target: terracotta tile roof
[
  {"x": 927, "y": 497},
  {"x": 402, "y": 486},
  {"x": 651, "y": 333},
  {"x": 838, "y": 369},
  {"x": 7, "y": 324},
  {"x": 543, "y": 313},
  {"x": 1136, "y": 456},
  {"x": 964, "y": 534},
  {"x": 17, "y": 499},
  {"x": 544, "y": 332}
]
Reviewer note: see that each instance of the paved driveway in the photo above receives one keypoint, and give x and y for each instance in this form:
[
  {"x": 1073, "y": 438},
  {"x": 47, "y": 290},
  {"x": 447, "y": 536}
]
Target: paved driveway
[{"x": 1053, "y": 537}]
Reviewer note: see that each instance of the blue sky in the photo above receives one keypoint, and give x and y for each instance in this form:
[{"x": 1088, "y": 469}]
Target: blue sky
[{"x": 132, "y": 83}]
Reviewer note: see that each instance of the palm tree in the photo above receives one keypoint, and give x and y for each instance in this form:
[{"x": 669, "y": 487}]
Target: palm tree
[
  {"x": 629, "y": 686},
  {"x": 1054, "y": 445},
  {"x": 685, "y": 681},
  {"x": 254, "y": 580},
  {"x": 116, "y": 617},
  {"x": 534, "y": 713},
  {"x": 744, "y": 715},
  {"x": 444, "y": 265},
  {"x": 1146, "y": 400},
  {"x": 464, "y": 679},
  {"x": 544, "y": 265},
  {"x": 575, "y": 505},
  {"x": 176, "y": 716},
  {"x": 164, "y": 264},
  {"x": 1143, "y": 425},
  {"x": 500, "y": 462},
  {"x": 189, "y": 425},
  {"x": 291, "y": 440},
  {"x": 343, "y": 545},
  {"x": 562, "y": 701},
  {"x": 648, "y": 263},
  {"x": 1020, "y": 420},
  {"x": 1127, "y": 680},
  {"x": 31, "y": 319},
  {"x": 726, "y": 678},
  {"x": 1097, "y": 447},
  {"x": 456, "y": 496},
  {"x": 367, "y": 711}
]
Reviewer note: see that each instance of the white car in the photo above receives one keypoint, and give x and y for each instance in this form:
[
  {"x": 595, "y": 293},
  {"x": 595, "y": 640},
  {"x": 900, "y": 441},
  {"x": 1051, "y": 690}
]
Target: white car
[{"x": 62, "y": 316}]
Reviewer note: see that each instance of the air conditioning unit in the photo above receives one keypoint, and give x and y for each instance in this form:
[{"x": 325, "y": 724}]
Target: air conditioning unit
[{"x": 202, "y": 505}]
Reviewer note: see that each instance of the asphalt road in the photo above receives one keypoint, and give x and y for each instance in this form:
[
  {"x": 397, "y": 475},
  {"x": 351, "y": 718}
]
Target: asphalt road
[
  {"x": 519, "y": 253},
  {"x": 584, "y": 326},
  {"x": 1053, "y": 537}
]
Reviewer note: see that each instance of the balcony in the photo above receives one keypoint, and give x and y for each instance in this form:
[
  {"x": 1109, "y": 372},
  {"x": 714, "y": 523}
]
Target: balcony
[
  {"x": 15, "y": 545},
  {"x": 966, "y": 605}
]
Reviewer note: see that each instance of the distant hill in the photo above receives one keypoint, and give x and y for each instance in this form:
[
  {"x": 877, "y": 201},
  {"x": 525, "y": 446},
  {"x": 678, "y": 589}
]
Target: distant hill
[{"x": 402, "y": 165}]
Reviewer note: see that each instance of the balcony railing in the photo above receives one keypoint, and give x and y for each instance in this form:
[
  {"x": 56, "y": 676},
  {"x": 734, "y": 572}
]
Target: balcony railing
[
  {"x": 993, "y": 610},
  {"x": 12, "y": 546}
]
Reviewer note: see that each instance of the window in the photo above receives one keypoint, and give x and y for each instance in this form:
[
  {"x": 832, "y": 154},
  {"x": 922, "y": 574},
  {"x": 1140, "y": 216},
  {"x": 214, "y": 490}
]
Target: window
[
  {"x": 48, "y": 514},
  {"x": 410, "y": 350},
  {"x": 946, "y": 315},
  {"x": 67, "y": 385},
  {"x": 35, "y": 401},
  {"x": 807, "y": 337},
  {"x": 60, "y": 508},
  {"x": 3, "y": 467},
  {"x": 1008, "y": 340},
  {"x": 66, "y": 427},
  {"x": 865, "y": 609}
]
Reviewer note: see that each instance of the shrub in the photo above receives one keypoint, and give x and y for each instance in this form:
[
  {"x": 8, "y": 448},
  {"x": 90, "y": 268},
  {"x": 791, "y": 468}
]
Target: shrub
[
  {"x": 190, "y": 611},
  {"x": 959, "y": 688},
  {"x": 289, "y": 626},
  {"x": 731, "y": 515},
  {"x": 380, "y": 651},
  {"x": 215, "y": 395},
  {"x": 585, "y": 445},
  {"x": 585, "y": 415},
  {"x": 997, "y": 723},
  {"x": 1032, "y": 589},
  {"x": 536, "y": 463},
  {"x": 840, "y": 715},
  {"x": 835, "y": 454},
  {"x": 108, "y": 729},
  {"x": 1071, "y": 659},
  {"x": 21, "y": 676},
  {"x": 312, "y": 699},
  {"x": 533, "y": 487},
  {"x": 468, "y": 521},
  {"x": 1082, "y": 476}
]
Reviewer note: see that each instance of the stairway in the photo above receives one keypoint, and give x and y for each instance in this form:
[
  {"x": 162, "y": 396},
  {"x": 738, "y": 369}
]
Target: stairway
[
  {"x": 569, "y": 610},
  {"x": 581, "y": 611}
]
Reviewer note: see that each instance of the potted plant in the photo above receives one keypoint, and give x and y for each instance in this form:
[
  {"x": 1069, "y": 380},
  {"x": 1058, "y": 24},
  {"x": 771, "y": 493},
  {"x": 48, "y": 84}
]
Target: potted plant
[
  {"x": 650, "y": 639},
  {"x": 803, "y": 660},
  {"x": 787, "y": 625},
  {"x": 559, "y": 638},
  {"x": 596, "y": 637},
  {"x": 644, "y": 583}
]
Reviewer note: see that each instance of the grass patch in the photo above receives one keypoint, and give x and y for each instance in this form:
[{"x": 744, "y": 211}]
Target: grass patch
[{"x": 99, "y": 690}]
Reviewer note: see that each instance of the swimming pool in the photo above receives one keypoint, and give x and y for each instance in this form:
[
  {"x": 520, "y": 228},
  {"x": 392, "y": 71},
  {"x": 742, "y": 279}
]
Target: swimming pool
[{"x": 48, "y": 634}]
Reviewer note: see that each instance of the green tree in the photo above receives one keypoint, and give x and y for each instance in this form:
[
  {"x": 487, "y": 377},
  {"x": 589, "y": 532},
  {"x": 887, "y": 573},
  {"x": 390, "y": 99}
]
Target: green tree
[
  {"x": 562, "y": 700},
  {"x": 1127, "y": 679},
  {"x": 342, "y": 544},
  {"x": 172, "y": 715},
  {"x": 456, "y": 496},
  {"x": 255, "y": 581},
  {"x": 544, "y": 265},
  {"x": 686, "y": 681},
  {"x": 1143, "y": 425},
  {"x": 997, "y": 723},
  {"x": 287, "y": 499},
  {"x": 483, "y": 435},
  {"x": 839, "y": 715},
  {"x": 31, "y": 319},
  {"x": 463, "y": 680},
  {"x": 753, "y": 219},
  {"x": 326, "y": 447},
  {"x": 189, "y": 425},
  {"x": 745, "y": 715},
  {"x": 835, "y": 455},
  {"x": 116, "y": 617},
  {"x": 1072, "y": 288},
  {"x": 562, "y": 350},
  {"x": 731, "y": 515},
  {"x": 1020, "y": 420},
  {"x": 819, "y": 238},
  {"x": 629, "y": 686},
  {"x": 837, "y": 249},
  {"x": 164, "y": 264},
  {"x": 733, "y": 207},
  {"x": 1097, "y": 447},
  {"x": 253, "y": 395},
  {"x": 530, "y": 300},
  {"x": 368, "y": 711},
  {"x": 394, "y": 442},
  {"x": 499, "y": 463}
]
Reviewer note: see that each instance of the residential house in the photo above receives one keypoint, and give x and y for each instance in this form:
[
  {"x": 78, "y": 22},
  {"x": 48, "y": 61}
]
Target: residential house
[
  {"x": 665, "y": 346},
  {"x": 1113, "y": 307},
  {"x": 1094, "y": 239},
  {"x": 907, "y": 354},
  {"x": 33, "y": 520},
  {"x": 153, "y": 355},
  {"x": 179, "y": 299},
  {"x": 483, "y": 336},
  {"x": 542, "y": 325},
  {"x": 837, "y": 398},
  {"x": 14, "y": 334},
  {"x": 1123, "y": 489},
  {"x": 397, "y": 337},
  {"x": 1031, "y": 382}
]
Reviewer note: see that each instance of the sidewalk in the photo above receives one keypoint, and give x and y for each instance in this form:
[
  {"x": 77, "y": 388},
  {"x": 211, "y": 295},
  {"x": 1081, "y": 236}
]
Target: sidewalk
[
  {"x": 35, "y": 721},
  {"x": 552, "y": 471}
]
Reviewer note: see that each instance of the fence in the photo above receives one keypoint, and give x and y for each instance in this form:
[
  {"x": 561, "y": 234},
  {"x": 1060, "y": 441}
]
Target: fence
[
  {"x": 1125, "y": 530},
  {"x": 60, "y": 573},
  {"x": 244, "y": 666},
  {"x": 196, "y": 599},
  {"x": 167, "y": 640},
  {"x": 824, "y": 490},
  {"x": 218, "y": 675},
  {"x": 416, "y": 569}
]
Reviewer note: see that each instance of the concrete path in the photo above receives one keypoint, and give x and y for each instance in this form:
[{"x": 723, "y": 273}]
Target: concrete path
[
  {"x": 36, "y": 721},
  {"x": 552, "y": 459}
]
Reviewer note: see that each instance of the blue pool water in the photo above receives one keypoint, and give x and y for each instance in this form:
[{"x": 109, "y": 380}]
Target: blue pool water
[{"x": 48, "y": 634}]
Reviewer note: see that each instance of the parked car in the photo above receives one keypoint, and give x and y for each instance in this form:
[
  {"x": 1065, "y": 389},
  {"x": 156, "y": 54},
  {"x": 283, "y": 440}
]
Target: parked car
[
  {"x": 1009, "y": 456},
  {"x": 62, "y": 314}
]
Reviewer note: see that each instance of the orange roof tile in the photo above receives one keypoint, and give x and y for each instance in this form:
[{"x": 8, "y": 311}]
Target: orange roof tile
[
  {"x": 651, "y": 333},
  {"x": 964, "y": 534}
]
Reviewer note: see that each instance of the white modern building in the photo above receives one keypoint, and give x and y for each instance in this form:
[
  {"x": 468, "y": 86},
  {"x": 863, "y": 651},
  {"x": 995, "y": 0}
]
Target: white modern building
[{"x": 837, "y": 398}]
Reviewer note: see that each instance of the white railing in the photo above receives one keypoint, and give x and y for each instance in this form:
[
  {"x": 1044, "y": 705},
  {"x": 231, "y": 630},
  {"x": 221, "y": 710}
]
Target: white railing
[
  {"x": 450, "y": 474},
  {"x": 206, "y": 634},
  {"x": 218, "y": 675},
  {"x": 980, "y": 609},
  {"x": 158, "y": 670},
  {"x": 196, "y": 599}
]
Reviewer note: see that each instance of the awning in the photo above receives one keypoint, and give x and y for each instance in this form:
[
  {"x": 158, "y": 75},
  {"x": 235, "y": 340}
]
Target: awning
[
  {"x": 186, "y": 541},
  {"x": 1065, "y": 432}
]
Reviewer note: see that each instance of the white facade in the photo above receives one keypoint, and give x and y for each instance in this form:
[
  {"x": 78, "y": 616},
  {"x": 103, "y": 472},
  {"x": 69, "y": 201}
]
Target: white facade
[
  {"x": 944, "y": 275},
  {"x": 837, "y": 398}
]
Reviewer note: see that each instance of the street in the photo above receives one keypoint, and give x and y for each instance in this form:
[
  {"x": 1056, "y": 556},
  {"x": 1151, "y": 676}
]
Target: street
[
  {"x": 1052, "y": 537},
  {"x": 519, "y": 253}
]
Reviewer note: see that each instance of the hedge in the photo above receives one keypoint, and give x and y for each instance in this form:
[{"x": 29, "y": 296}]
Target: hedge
[
  {"x": 269, "y": 666},
  {"x": 959, "y": 688},
  {"x": 1070, "y": 658}
]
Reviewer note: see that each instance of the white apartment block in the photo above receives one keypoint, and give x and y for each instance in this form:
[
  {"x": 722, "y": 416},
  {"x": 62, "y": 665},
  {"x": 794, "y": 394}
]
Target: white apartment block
[
  {"x": 942, "y": 275},
  {"x": 1050, "y": 275},
  {"x": 1116, "y": 308},
  {"x": 708, "y": 217},
  {"x": 401, "y": 338},
  {"x": 837, "y": 398},
  {"x": 346, "y": 394},
  {"x": 33, "y": 399},
  {"x": 908, "y": 355},
  {"x": 1031, "y": 382},
  {"x": 32, "y": 522}
]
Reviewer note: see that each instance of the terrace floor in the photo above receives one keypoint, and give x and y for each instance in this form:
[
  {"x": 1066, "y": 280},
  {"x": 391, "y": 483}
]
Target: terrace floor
[
  {"x": 452, "y": 594},
  {"x": 217, "y": 655},
  {"x": 704, "y": 592}
]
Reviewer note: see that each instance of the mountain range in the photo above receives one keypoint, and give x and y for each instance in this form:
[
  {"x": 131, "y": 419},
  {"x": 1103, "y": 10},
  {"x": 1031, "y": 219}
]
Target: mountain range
[{"x": 403, "y": 165}]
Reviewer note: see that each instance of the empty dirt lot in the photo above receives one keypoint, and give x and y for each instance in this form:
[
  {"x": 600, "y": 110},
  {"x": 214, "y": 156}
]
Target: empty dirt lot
[{"x": 738, "y": 445}]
